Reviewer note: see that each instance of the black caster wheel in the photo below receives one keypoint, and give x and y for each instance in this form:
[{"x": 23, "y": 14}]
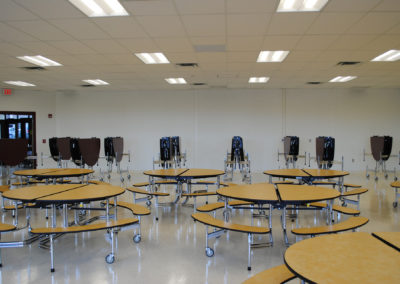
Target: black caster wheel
[
  {"x": 110, "y": 258},
  {"x": 148, "y": 202},
  {"x": 209, "y": 252},
  {"x": 376, "y": 178},
  {"x": 137, "y": 238},
  {"x": 394, "y": 204}
]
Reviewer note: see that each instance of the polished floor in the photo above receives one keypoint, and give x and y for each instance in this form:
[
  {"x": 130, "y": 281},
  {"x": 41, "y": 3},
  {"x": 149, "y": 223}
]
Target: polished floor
[{"x": 172, "y": 248}]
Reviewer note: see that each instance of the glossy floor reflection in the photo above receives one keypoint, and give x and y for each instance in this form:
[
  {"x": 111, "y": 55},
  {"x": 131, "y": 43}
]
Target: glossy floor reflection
[{"x": 172, "y": 249}]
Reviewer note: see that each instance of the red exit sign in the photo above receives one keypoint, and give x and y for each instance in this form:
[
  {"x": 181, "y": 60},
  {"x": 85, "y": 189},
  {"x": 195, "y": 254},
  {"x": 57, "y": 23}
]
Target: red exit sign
[{"x": 7, "y": 92}]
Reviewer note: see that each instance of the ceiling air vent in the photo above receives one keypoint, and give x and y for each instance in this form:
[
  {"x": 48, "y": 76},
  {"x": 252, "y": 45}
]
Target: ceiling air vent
[
  {"x": 348, "y": 63},
  {"x": 199, "y": 84},
  {"x": 314, "y": 83},
  {"x": 87, "y": 85},
  {"x": 189, "y": 64},
  {"x": 38, "y": 68}
]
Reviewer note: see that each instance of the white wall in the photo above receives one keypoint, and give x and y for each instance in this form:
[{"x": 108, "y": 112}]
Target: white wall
[
  {"x": 207, "y": 119},
  {"x": 39, "y": 102}
]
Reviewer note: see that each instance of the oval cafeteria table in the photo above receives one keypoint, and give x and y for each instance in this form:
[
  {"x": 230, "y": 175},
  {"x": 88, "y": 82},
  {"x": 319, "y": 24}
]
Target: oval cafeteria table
[
  {"x": 344, "y": 258},
  {"x": 183, "y": 176},
  {"x": 63, "y": 194},
  {"x": 307, "y": 175},
  {"x": 53, "y": 173},
  {"x": 280, "y": 197}
]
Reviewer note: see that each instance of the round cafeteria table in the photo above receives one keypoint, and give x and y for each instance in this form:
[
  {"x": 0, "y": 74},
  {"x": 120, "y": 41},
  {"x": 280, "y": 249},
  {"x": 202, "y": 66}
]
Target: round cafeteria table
[
  {"x": 63, "y": 194},
  {"x": 307, "y": 175},
  {"x": 53, "y": 173},
  {"x": 280, "y": 197},
  {"x": 183, "y": 176},
  {"x": 344, "y": 258}
]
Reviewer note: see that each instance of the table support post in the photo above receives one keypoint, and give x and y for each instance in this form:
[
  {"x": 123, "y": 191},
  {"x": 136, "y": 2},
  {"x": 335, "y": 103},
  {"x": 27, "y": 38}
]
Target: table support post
[
  {"x": 284, "y": 225},
  {"x": 16, "y": 214},
  {"x": 107, "y": 210},
  {"x": 65, "y": 215},
  {"x": 271, "y": 238},
  {"x": 115, "y": 208},
  {"x": 53, "y": 218}
]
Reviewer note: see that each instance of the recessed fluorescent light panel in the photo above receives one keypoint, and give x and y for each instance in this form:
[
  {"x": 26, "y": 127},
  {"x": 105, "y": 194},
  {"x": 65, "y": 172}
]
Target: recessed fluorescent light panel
[
  {"x": 39, "y": 60},
  {"x": 19, "y": 83},
  {"x": 258, "y": 79},
  {"x": 272, "y": 56},
  {"x": 301, "y": 5},
  {"x": 342, "y": 79},
  {"x": 391, "y": 55},
  {"x": 152, "y": 58},
  {"x": 100, "y": 8},
  {"x": 96, "y": 82},
  {"x": 175, "y": 81}
]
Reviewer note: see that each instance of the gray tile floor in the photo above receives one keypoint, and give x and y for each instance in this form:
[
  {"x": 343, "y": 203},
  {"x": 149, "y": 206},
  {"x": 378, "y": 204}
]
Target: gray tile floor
[{"x": 172, "y": 249}]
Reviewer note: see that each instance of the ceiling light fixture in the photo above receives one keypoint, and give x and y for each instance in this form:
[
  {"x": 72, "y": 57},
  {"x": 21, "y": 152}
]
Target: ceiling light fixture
[
  {"x": 258, "y": 79},
  {"x": 152, "y": 58},
  {"x": 342, "y": 79},
  {"x": 391, "y": 55},
  {"x": 96, "y": 82},
  {"x": 39, "y": 60},
  {"x": 19, "y": 83},
  {"x": 175, "y": 81},
  {"x": 100, "y": 8},
  {"x": 301, "y": 5},
  {"x": 272, "y": 56}
]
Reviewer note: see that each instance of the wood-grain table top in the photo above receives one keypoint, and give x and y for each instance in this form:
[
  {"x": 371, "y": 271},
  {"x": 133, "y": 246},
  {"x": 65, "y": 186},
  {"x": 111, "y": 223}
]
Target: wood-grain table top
[
  {"x": 288, "y": 193},
  {"x": 294, "y": 193},
  {"x": 64, "y": 193},
  {"x": 304, "y": 173},
  {"x": 257, "y": 192},
  {"x": 395, "y": 184},
  {"x": 390, "y": 238},
  {"x": 31, "y": 193},
  {"x": 292, "y": 173},
  {"x": 344, "y": 258},
  {"x": 184, "y": 173},
  {"x": 89, "y": 192},
  {"x": 54, "y": 173},
  {"x": 325, "y": 173}
]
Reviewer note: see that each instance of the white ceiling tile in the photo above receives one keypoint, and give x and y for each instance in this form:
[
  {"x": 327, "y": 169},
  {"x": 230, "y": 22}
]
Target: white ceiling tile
[
  {"x": 302, "y": 55},
  {"x": 200, "y": 7},
  {"x": 150, "y": 7},
  {"x": 280, "y": 42},
  {"x": 120, "y": 27},
  {"x": 388, "y": 5},
  {"x": 139, "y": 45},
  {"x": 315, "y": 42},
  {"x": 39, "y": 47},
  {"x": 214, "y": 40},
  {"x": 52, "y": 9},
  {"x": 13, "y": 35},
  {"x": 94, "y": 59},
  {"x": 182, "y": 57},
  {"x": 80, "y": 28},
  {"x": 351, "y": 42},
  {"x": 180, "y": 44},
  {"x": 211, "y": 57},
  {"x": 244, "y": 43},
  {"x": 204, "y": 26},
  {"x": 162, "y": 26},
  {"x": 249, "y": 57},
  {"x": 72, "y": 47},
  {"x": 248, "y": 24},
  {"x": 11, "y": 11},
  {"x": 350, "y": 6},
  {"x": 375, "y": 22},
  {"x": 291, "y": 23},
  {"x": 105, "y": 46},
  {"x": 125, "y": 58},
  {"x": 12, "y": 49},
  {"x": 40, "y": 29},
  {"x": 251, "y": 6},
  {"x": 395, "y": 30},
  {"x": 333, "y": 23},
  {"x": 383, "y": 42}
]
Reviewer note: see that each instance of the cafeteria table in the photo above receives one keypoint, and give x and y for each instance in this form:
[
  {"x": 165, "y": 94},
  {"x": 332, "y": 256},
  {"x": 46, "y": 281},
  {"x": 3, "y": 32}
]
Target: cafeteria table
[
  {"x": 279, "y": 197},
  {"x": 344, "y": 258}
]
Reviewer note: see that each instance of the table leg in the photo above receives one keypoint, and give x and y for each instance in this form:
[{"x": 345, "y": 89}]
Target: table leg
[
  {"x": 65, "y": 215},
  {"x": 53, "y": 217},
  {"x": 284, "y": 226}
]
